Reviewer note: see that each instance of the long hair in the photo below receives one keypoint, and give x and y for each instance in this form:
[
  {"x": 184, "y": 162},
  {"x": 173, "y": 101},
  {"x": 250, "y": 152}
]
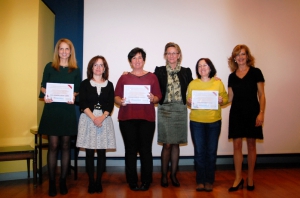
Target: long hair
[
  {"x": 89, "y": 71},
  {"x": 72, "y": 63},
  {"x": 236, "y": 50},
  {"x": 171, "y": 44}
]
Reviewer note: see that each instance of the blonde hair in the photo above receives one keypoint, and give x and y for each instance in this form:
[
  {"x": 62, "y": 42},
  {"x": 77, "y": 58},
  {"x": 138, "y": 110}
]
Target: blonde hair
[
  {"x": 236, "y": 50},
  {"x": 72, "y": 63},
  {"x": 171, "y": 44}
]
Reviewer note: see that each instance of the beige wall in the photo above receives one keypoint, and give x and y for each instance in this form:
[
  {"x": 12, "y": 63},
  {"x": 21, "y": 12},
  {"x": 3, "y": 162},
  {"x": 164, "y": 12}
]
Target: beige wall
[{"x": 26, "y": 37}]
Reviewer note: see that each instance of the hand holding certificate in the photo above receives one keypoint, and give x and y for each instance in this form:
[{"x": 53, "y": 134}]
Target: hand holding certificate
[
  {"x": 137, "y": 94},
  {"x": 205, "y": 100},
  {"x": 60, "y": 92}
]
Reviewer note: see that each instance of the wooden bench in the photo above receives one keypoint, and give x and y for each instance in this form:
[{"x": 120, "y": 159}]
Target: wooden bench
[{"x": 9, "y": 153}]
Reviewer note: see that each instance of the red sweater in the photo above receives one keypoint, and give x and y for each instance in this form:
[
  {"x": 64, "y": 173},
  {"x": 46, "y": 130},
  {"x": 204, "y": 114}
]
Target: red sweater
[{"x": 138, "y": 111}]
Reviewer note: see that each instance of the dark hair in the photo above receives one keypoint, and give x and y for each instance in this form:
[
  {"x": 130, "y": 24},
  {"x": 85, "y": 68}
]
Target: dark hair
[
  {"x": 89, "y": 71},
  {"x": 213, "y": 70},
  {"x": 135, "y": 51}
]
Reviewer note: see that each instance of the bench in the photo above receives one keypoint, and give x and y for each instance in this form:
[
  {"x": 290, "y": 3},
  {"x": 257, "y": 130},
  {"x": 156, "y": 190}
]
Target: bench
[{"x": 9, "y": 153}]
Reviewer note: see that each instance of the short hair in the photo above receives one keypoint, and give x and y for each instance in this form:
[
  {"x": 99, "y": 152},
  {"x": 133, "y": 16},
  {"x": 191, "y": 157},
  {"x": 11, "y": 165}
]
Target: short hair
[
  {"x": 213, "y": 70},
  {"x": 72, "y": 63},
  {"x": 171, "y": 44},
  {"x": 135, "y": 51},
  {"x": 236, "y": 50},
  {"x": 91, "y": 63}
]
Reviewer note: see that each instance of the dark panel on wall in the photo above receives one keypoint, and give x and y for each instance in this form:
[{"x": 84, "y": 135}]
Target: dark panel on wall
[{"x": 69, "y": 23}]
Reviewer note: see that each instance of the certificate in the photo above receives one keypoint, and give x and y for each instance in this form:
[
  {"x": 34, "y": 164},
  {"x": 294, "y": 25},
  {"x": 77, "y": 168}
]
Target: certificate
[
  {"x": 60, "y": 92},
  {"x": 137, "y": 94},
  {"x": 205, "y": 99}
]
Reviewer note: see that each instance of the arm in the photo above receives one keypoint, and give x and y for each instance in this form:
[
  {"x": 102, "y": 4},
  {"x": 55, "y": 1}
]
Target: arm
[
  {"x": 223, "y": 96},
  {"x": 230, "y": 94},
  {"x": 262, "y": 103},
  {"x": 120, "y": 101}
]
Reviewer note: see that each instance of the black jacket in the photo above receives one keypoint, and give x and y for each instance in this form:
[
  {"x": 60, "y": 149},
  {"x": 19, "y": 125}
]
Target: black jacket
[
  {"x": 184, "y": 75},
  {"x": 88, "y": 96}
]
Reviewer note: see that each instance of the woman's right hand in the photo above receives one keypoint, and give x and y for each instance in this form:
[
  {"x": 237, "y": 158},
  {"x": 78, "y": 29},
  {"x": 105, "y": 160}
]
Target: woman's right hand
[{"x": 123, "y": 102}]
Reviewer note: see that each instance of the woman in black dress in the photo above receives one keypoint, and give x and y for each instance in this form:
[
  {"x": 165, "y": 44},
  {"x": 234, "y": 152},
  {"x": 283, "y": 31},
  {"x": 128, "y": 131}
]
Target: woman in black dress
[
  {"x": 246, "y": 92},
  {"x": 58, "y": 120}
]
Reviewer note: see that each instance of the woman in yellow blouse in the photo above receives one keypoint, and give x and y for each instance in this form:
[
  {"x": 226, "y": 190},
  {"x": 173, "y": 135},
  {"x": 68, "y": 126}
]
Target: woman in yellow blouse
[{"x": 205, "y": 124}]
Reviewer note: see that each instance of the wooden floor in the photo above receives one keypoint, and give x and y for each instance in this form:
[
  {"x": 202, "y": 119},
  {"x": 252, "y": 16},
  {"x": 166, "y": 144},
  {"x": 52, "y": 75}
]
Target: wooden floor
[{"x": 273, "y": 183}]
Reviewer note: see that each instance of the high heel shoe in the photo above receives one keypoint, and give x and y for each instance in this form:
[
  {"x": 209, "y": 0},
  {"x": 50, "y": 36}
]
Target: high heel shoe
[
  {"x": 239, "y": 186},
  {"x": 164, "y": 184},
  {"x": 250, "y": 188},
  {"x": 174, "y": 181}
]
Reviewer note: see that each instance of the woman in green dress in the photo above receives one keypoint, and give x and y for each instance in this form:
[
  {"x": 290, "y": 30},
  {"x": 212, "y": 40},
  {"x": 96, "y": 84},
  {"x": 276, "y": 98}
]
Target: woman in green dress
[{"x": 58, "y": 120}]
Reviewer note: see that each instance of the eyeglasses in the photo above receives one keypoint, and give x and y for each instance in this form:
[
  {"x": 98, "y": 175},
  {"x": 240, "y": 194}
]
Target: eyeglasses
[
  {"x": 98, "y": 65},
  {"x": 171, "y": 54}
]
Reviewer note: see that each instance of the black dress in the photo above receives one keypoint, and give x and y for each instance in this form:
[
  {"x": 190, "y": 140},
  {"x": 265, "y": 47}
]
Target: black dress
[{"x": 245, "y": 106}]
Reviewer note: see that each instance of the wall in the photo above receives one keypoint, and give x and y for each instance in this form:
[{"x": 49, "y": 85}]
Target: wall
[
  {"x": 204, "y": 28},
  {"x": 26, "y": 37}
]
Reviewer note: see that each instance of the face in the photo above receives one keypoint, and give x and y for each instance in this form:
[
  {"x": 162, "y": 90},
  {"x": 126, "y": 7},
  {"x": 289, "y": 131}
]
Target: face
[
  {"x": 137, "y": 61},
  {"x": 241, "y": 58},
  {"x": 203, "y": 68},
  {"x": 98, "y": 67},
  {"x": 64, "y": 51},
  {"x": 172, "y": 55}
]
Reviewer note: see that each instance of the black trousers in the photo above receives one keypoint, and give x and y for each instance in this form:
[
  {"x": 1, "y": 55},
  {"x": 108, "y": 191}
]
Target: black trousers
[{"x": 138, "y": 137}]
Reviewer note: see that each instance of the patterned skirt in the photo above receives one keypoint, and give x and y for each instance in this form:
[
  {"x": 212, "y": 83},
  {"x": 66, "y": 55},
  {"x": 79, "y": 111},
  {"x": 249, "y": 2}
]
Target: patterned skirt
[
  {"x": 172, "y": 123},
  {"x": 93, "y": 137}
]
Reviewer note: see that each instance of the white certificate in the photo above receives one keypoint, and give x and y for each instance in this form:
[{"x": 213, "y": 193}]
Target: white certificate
[
  {"x": 137, "y": 94},
  {"x": 60, "y": 92},
  {"x": 205, "y": 99}
]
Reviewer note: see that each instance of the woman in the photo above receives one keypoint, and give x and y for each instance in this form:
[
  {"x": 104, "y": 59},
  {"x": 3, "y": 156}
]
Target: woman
[
  {"x": 246, "y": 92},
  {"x": 172, "y": 112},
  {"x": 137, "y": 121},
  {"x": 95, "y": 129},
  {"x": 205, "y": 124},
  {"x": 58, "y": 120}
]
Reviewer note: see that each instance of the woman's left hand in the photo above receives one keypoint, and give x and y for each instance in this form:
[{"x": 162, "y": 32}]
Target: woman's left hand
[
  {"x": 220, "y": 99},
  {"x": 71, "y": 102},
  {"x": 259, "y": 119},
  {"x": 151, "y": 97},
  {"x": 98, "y": 121}
]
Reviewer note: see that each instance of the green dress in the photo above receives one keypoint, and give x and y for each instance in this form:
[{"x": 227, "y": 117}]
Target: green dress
[{"x": 58, "y": 118}]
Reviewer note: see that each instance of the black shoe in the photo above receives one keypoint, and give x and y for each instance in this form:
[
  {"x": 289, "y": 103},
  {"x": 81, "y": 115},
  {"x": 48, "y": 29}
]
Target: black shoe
[
  {"x": 63, "y": 187},
  {"x": 164, "y": 184},
  {"x": 250, "y": 188},
  {"x": 134, "y": 187},
  {"x": 52, "y": 188},
  {"x": 174, "y": 181},
  {"x": 91, "y": 188},
  {"x": 239, "y": 186},
  {"x": 145, "y": 186},
  {"x": 99, "y": 188}
]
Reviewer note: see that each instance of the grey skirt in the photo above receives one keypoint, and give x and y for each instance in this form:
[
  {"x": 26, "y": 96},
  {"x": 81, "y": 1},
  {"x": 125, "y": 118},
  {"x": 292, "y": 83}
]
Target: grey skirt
[
  {"x": 93, "y": 137},
  {"x": 172, "y": 123}
]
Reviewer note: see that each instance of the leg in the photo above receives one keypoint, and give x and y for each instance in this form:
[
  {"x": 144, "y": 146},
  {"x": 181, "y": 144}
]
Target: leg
[
  {"x": 89, "y": 163},
  {"x": 212, "y": 139},
  {"x": 238, "y": 160},
  {"x": 165, "y": 159},
  {"x": 101, "y": 161},
  {"x": 198, "y": 137},
  {"x": 65, "y": 163},
  {"x": 129, "y": 134},
  {"x": 251, "y": 144},
  {"x": 174, "y": 164},
  {"x": 146, "y": 133},
  {"x": 52, "y": 162}
]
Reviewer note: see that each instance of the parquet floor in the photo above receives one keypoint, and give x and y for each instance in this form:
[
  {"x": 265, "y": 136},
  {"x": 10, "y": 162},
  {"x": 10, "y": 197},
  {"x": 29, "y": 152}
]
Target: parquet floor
[{"x": 273, "y": 183}]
